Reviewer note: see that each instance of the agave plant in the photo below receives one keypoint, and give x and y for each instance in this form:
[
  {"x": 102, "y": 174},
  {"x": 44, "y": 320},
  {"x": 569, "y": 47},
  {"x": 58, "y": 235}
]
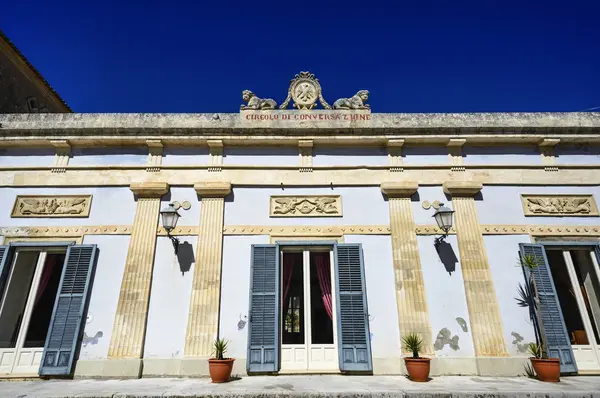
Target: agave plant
[
  {"x": 220, "y": 346},
  {"x": 413, "y": 343},
  {"x": 535, "y": 350},
  {"x": 529, "y": 297}
]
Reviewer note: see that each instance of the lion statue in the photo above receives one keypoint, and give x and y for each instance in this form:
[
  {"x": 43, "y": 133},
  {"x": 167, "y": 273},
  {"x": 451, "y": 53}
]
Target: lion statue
[
  {"x": 256, "y": 103},
  {"x": 356, "y": 102}
]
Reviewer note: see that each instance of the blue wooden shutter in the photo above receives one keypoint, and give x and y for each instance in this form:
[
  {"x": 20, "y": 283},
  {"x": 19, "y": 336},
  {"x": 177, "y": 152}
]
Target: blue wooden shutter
[
  {"x": 559, "y": 345},
  {"x": 263, "y": 328},
  {"x": 354, "y": 343},
  {"x": 65, "y": 330},
  {"x": 4, "y": 268}
]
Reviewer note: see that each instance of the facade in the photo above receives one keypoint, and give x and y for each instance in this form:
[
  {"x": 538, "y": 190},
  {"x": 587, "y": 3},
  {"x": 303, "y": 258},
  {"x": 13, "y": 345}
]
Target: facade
[
  {"x": 306, "y": 239},
  {"x": 22, "y": 88}
]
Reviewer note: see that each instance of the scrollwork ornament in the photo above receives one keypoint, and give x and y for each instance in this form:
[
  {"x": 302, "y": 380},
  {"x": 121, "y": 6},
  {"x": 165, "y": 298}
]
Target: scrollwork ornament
[{"x": 305, "y": 90}]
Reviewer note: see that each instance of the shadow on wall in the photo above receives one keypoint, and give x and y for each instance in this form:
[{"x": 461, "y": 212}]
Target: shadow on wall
[
  {"x": 185, "y": 256},
  {"x": 447, "y": 256}
]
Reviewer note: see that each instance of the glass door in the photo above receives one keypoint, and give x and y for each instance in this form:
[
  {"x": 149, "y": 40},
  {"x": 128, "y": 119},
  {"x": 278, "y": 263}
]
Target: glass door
[{"x": 26, "y": 308}]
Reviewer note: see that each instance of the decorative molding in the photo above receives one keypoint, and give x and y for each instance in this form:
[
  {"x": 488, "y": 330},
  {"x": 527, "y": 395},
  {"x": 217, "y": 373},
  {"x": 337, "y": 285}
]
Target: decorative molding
[
  {"x": 212, "y": 189},
  {"x": 301, "y": 230},
  {"x": 216, "y": 155},
  {"x": 305, "y": 206},
  {"x": 455, "y": 153},
  {"x": 149, "y": 189},
  {"x": 462, "y": 188},
  {"x": 400, "y": 189},
  {"x": 395, "y": 155},
  {"x": 155, "y": 155},
  {"x": 305, "y": 152},
  {"x": 62, "y": 156},
  {"x": 280, "y": 238},
  {"x": 559, "y": 205},
  {"x": 54, "y": 206},
  {"x": 66, "y": 231}
]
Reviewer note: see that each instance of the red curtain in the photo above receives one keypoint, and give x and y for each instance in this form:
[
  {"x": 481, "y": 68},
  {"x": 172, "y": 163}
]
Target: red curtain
[
  {"x": 324, "y": 274},
  {"x": 288, "y": 269}
]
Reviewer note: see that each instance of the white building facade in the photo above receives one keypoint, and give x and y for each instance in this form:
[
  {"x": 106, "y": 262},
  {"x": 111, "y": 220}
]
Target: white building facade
[{"x": 308, "y": 242}]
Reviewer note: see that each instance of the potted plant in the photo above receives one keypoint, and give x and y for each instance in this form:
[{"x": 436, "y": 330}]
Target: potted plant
[
  {"x": 220, "y": 367},
  {"x": 547, "y": 369},
  {"x": 417, "y": 367}
]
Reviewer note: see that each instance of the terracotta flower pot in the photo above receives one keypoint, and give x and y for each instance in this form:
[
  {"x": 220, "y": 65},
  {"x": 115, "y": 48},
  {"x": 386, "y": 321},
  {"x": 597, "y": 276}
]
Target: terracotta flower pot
[
  {"x": 220, "y": 369},
  {"x": 547, "y": 369},
  {"x": 418, "y": 368}
]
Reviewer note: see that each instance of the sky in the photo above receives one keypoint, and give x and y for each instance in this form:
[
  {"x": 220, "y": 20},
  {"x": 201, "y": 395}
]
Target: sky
[{"x": 413, "y": 56}]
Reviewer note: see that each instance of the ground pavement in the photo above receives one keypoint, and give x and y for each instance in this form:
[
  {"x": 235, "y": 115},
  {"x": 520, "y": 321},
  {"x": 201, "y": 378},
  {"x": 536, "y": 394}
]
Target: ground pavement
[{"x": 308, "y": 386}]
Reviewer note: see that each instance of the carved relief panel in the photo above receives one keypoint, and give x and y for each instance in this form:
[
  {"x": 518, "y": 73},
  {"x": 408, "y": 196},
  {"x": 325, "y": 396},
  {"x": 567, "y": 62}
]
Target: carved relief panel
[
  {"x": 52, "y": 206},
  {"x": 559, "y": 205},
  {"x": 306, "y": 206}
]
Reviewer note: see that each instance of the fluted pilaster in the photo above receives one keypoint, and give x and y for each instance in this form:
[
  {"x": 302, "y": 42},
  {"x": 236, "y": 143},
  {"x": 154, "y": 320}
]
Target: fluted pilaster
[
  {"x": 203, "y": 319},
  {"x": 127, "y": 340},
  {"x": 413, "y": 313},
  {"x": 484, "y": 312}
]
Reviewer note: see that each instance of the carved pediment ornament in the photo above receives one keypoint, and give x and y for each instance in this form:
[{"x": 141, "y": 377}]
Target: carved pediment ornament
[
  {"x": 306, "y": 206},
  {"x": 305, "y": 90},
  {"x": 52, "y": 206},
  {"x": 559, "y": 205}
]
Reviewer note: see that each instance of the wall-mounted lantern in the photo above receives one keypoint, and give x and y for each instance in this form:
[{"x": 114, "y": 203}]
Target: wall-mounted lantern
[
  {"x": 170, "y": 216},
  {"x": 443, "y": 218}
]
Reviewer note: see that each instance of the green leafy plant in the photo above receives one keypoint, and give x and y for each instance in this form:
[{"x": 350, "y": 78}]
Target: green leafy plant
[
  {"x": 529, "y": 370},
  {"x": 220, "y": 346},
  {"x": 529, "y": 297},
  {"x": 412, "y": 342},
  {"x": 535, "y": 350}
]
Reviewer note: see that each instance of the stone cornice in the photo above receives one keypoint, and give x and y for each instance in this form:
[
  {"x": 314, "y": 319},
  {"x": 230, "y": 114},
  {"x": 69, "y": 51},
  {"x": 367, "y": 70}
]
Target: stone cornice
[
  {"x": 235, "y": 129},
  {"x": 149, "y": 189},
  {"x": 462, "y": 188},
  {"x": 212, "y": 189},
  {"x": 399, "y": 189}
]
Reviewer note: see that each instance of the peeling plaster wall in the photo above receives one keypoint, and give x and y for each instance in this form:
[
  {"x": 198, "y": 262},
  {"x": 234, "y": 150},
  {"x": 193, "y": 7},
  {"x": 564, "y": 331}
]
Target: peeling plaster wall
[
  {"x": 26, "y": 156},
  {"x": 261, "y": 156},
  {"x": 110, "y": 206},
  {"x": 502, "y": 205},
  {"x": 360, "y": 206},
  {"x": 177, "y": 155},
  {"x": 445, "y": 294},
  {"x": 509, "y": 155},
  {"x": 503, "y": 254},
  {"x": 188, "y": 218},
  {"x": 350, "y": 156},
  {"x": 170, "y": 299},
  {"x": 381, "y": 294},
  {"x": 105, "y": 294},
  {"x": 235, "y": 291},
  {"x": 109, "y": 156}
]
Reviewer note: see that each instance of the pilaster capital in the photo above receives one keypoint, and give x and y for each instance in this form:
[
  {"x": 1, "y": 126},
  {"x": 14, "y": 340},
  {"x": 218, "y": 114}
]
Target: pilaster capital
[
  {"x": 154, "y": 143},
  {"x": 462, "y": 188},
  {"x": 215, "y": 144},
  {"x": 399, "y": 189},
  {"x": 395, "y": 143},
  {"x": 63, "y": 144},
  {"x": 549, "y": 142},
  {"x": 456, "y": 142},
  {"x": 213, "y": 189},
  {"x": 150, "y": 189},
  {"x": 305, "y": 143}
]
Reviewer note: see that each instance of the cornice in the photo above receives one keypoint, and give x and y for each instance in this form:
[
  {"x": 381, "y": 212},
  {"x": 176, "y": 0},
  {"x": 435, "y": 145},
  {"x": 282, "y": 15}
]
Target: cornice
[
  {"x": 212, "y": 189},
  {"x": 399, "y": 189},
  {"x": 462, "y": 188}
]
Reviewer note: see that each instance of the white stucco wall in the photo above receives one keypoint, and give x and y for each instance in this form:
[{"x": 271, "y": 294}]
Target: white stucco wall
[
  {"x": 422, "y": 155},
  {"x": 445, "y": 293},
  {"x": 502, "y": 205},
  {"x": 235, "y": 291},
  {"x": 430, "y": 194},
  {"x": 350, "y": 156},
  {"x": 360, "y": 205},
  {"x": 188, "y": 218},
  {"x": 170, "y": 299},
  {"x": 503, "y": 253},
  {"x": 110, "y": 206},
  {"x": 509, "y": 155},
  {"x": 27, "y": 156},
  {"x": 381, "y": 294},
  {"x": 105, "y": 294},
  {"x": 261, "y": 156},
  {"x": 109, "y": 156},
  {"x": 578, "y": 154},
  {"x": 188, "y": 155}
]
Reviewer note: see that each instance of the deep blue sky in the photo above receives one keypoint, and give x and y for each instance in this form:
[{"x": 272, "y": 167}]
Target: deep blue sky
[{"x": 414, "y": 56}]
